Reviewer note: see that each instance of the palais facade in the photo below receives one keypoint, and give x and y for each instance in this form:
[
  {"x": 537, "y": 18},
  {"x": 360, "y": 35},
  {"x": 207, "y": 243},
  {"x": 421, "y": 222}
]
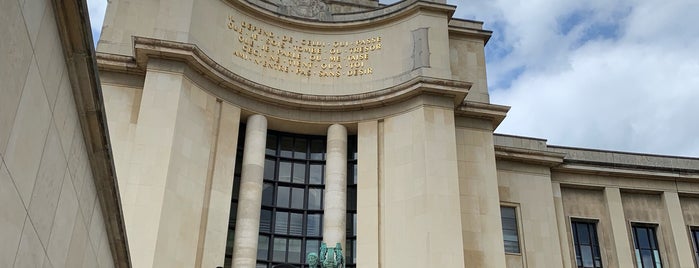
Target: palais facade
[{"x": 245, "y": 133}]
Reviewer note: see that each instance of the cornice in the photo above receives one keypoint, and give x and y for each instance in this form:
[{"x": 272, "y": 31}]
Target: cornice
[
  {"x": 606, "y": 169},
  {"x": 529, "y": 156},
  {"x": 345, "y": 21},
  {"x": 195, "y": 58},
  {"x": 484, "y": 35},
  {"x": 492, "y": 112}
]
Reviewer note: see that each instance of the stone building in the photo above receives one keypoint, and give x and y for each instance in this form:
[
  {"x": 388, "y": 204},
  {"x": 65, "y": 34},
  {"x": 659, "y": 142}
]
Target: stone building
[{"x": 245, "y": 133}]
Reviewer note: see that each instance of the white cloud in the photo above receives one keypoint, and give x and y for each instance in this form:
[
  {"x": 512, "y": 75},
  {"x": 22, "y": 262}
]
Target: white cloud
[
  {"x": 616, "y": 75},
  {"x": 96, "y": 9},
  {"x": 624, "y": 76}
]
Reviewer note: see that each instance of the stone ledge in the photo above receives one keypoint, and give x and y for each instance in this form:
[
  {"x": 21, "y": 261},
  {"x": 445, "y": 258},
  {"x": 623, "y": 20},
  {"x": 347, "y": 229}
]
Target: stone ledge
[{"x": 492, "y": 112}]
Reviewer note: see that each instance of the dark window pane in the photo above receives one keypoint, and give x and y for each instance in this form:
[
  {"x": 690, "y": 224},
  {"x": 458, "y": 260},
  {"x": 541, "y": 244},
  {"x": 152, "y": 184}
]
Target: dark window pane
[
  {"x": 234, "y": 215},
  {"x": 268, "y": 194},
  {"x": 509, "y": 224},
  {"x": 286, "y": 147},
  {"x": 269, "y": 170},
  {"x": 297, "y": 198},
  {"x": 585, "y": 242},
  {"x": 511, "y": 247},
  {"x": 236, "y": 188},
  {"x": 238, "y": 163},
  {"x": 294, "y": 250},
  {"x": 642, "y": 238},
  {"x": 351, "y": 199},
  {"x": 296, "y": 224},
  {"x": 317, "y": 149},
  {"x": 348, "y": 225},
  {"x": 283, "y": 196},
  {"x": 271, "y": 148},
  {"x": 510, "y": 235},
  {"x": 281, "y": 223},
  {"x": 265, "y": 221},
  {"x": 312, "y": 246},
  {"x": 285, "y": 171},
  {"x": 583, "y": 234},
  {"x": 647, "y": 254},
  {"x": 229, "y": 241},
  {"x": 651, "y": 239},
  {"x": 279, "y": 249},
  {"x": 507, "y": 212},
  {"x": 647, "y": 258},
  {"x": 315, "y": 174},
  {"x": 262, "y": 247},
  {"x": 509, "y": 229},
  {"x": 348, "y": 252},
  {"x": 315, "y": 196},
  {"x": 300, "y": 148},
  {"x": 586, "y": 256},
  {"x": 260, "y": 265},
  {"x": 299, "y": 173},
  {"x": 313, "y": 225},
  {"x": 352, "y": 148}
]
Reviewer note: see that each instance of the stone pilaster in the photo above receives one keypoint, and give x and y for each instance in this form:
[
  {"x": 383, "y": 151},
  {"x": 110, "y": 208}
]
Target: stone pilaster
[{"x": 619, "y": 229}]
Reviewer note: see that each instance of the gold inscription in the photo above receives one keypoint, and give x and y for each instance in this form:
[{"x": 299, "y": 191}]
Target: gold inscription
[{"x": 303, "y": 57}]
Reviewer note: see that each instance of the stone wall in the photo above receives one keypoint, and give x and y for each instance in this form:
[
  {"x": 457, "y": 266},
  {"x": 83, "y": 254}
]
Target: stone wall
[{"x": 50, "y": 214}]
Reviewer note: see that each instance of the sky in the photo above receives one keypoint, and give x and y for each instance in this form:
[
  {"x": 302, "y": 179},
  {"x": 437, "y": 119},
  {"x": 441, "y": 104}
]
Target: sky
[{"x": 618, "y": 75}]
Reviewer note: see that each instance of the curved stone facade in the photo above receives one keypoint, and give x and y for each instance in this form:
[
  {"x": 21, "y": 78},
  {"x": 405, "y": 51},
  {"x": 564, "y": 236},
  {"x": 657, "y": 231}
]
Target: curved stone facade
[{"x": 181, "y": 78}]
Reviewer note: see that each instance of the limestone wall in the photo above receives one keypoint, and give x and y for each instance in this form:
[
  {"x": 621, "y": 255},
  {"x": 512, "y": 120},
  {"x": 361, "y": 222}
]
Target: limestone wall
[
  {"x": 50, "y": 214},
  {"x": 528, "y": 187},
  {"x": 294, "y": 56},
  {"x": 174, "y": 147},
  {"x": 615, "y": 190}
]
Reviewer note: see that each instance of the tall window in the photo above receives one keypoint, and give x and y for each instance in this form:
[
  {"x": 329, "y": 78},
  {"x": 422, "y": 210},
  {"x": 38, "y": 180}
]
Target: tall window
[
  {"x": 509, "y": 229},
  {"x": 646, "y": 245},
  {"x": 695, "y": 238},
  {"x": 587, "y": 254},
  {"x": 351, "y": 244},
  {"x": 292, "y": 199},
  {"x": 291, "y": 214}
]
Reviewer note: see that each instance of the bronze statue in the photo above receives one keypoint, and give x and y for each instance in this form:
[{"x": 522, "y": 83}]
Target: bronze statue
[{"x": 328, "y": 257}]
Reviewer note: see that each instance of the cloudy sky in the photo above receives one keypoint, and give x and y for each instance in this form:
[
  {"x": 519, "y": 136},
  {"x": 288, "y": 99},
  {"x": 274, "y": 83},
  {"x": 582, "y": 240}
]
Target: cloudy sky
[{"x": 616, "y": 75}]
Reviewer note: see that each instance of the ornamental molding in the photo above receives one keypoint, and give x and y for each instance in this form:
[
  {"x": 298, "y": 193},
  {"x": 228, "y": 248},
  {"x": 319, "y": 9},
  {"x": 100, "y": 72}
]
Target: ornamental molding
[
  {"x": 313, "y": 15},
  {"x": 149, "y": 48}
]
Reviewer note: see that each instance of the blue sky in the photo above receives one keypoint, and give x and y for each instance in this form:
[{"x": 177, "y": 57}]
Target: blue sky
[{"x": 615, "y": 75}]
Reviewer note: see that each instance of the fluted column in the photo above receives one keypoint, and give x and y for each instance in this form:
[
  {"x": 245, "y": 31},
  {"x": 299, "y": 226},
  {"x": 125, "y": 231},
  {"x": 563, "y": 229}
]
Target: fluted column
[
  {"x": 250, "y": 198},
  {"x": 335, "y": 203}
]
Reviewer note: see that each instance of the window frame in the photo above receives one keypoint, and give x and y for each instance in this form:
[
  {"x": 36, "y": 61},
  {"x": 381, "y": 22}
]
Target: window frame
[
  {"x": 278, "y": 157},
  {"x": 518, "y": 227},
  {"x": 694, "y": 237},
  {"x": 655, "y": 228},
  {"x": 576, "y": 246}
]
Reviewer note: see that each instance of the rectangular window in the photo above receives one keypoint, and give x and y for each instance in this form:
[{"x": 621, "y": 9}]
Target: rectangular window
[
  {"x": 587, "y": 254},
  {"x": 509, "y": 229},
  {"x": 695, "y": 238},
  {"x": 646, "y": 247}
]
